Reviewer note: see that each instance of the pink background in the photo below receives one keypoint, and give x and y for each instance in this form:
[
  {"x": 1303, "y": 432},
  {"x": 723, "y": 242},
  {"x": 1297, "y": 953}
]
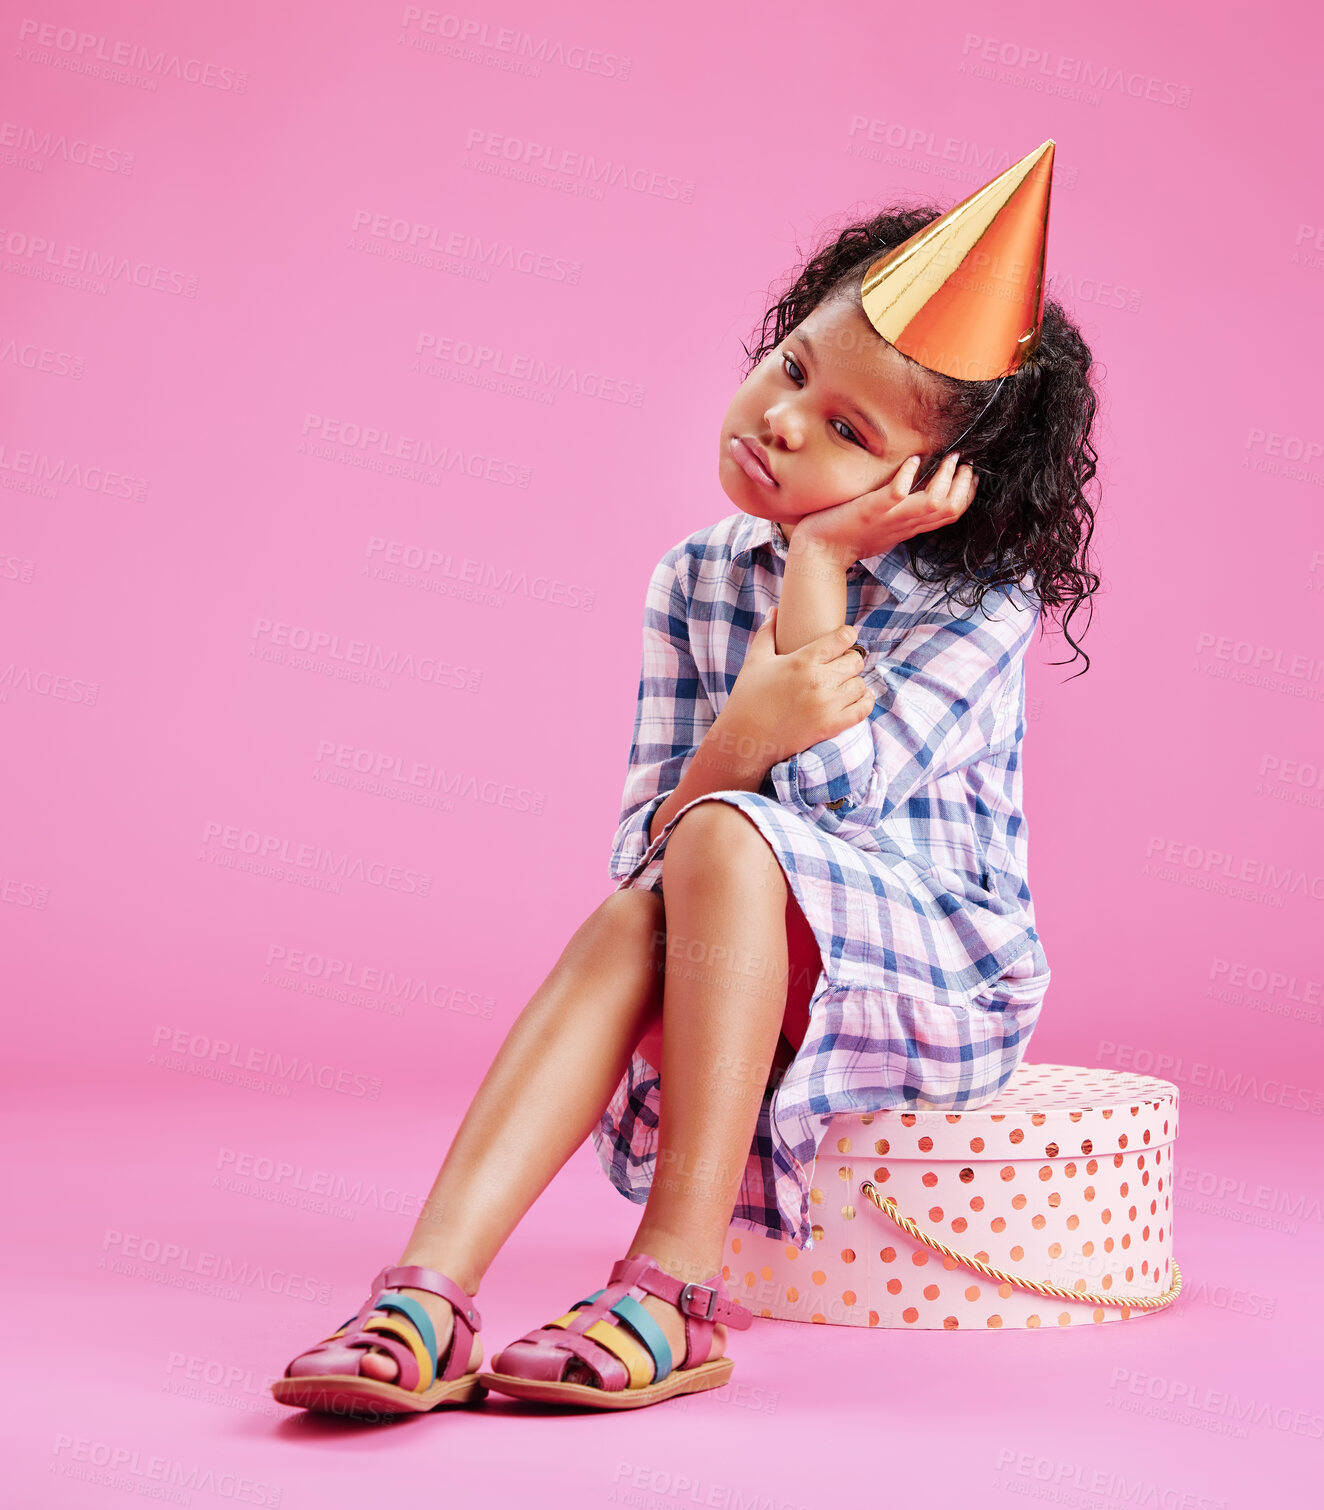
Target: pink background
[{"x": 193, "y": 301}]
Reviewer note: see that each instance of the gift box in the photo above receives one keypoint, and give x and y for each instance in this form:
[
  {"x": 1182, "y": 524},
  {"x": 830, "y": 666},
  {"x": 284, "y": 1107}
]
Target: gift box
[{"x": 1061, "y": 1186}]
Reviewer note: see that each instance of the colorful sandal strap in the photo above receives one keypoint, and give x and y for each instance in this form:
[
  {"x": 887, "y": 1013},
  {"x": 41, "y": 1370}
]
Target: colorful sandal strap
[
  {"x": 705, "y": 1302},
  {"x": 415, "y": 1277},
  {"x": 649, "y": 1333}
]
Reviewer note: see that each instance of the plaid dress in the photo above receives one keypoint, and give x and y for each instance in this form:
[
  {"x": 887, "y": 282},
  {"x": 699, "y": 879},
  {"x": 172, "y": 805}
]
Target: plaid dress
[{"x": 902, "y": 838}]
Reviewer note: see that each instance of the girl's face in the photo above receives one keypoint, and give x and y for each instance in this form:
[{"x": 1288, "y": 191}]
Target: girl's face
[{"x": 829, "y": 414}]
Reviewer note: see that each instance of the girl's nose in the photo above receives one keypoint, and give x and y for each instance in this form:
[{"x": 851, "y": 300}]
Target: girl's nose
[{"x": 785, "y": 423}]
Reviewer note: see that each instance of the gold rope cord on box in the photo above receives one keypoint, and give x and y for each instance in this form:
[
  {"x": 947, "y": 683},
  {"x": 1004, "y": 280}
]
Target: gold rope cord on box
[{"x": 887, "y": 1206}]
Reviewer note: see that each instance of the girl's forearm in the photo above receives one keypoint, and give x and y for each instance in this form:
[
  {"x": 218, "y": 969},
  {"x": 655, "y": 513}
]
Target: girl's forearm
[
  {"x": 813, "y": 598},
  {"x": 727, "y": 757}
]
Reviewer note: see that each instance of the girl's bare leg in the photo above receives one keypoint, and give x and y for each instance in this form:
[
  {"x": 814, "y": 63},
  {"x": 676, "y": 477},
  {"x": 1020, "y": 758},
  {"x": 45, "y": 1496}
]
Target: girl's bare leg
[
  {"x": 541, "y": 1097},
  {"x": 728, "y": 903},
  {"x": 727, "y": 967}
]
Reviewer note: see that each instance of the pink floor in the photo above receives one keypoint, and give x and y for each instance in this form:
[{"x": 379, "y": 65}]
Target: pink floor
[{"x": 132, "y": 1370}]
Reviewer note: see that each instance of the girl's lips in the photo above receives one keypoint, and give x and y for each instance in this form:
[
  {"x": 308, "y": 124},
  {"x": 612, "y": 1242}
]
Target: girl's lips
[{"x": 748, "y": 462}]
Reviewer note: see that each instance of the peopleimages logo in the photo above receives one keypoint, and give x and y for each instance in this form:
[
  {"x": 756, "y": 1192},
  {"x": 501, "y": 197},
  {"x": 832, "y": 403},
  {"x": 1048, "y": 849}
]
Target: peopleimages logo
[
  {"x": 285, "y": 1068},
  {"x": 94, "y": 53},
  {"x": 275, "y": 849}
]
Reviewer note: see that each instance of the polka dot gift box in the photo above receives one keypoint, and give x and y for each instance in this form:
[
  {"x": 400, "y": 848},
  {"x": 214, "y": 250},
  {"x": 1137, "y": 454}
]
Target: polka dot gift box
[{"x": 1061, "y": 1186}]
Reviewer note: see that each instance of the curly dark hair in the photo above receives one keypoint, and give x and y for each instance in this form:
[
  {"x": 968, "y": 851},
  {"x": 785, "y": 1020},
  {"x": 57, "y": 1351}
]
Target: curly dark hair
[{"x": 1030, "y": 447}]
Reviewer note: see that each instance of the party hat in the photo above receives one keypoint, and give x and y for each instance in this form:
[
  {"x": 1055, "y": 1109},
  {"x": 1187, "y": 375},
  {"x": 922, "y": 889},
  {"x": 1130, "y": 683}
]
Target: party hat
[{"x": 964, "y": 296}]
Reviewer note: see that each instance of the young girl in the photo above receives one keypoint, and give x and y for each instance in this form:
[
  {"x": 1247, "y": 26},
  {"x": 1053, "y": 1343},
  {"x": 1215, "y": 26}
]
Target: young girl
[{"x": 821, "y": 901}]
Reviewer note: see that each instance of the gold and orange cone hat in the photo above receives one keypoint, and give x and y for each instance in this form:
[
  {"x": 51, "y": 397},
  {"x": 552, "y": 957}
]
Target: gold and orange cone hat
[{"x": 964, "y": 296}]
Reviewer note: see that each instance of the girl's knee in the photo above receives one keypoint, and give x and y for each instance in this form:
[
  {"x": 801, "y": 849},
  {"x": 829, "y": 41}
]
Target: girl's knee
[{"x": 721, "y": 836}]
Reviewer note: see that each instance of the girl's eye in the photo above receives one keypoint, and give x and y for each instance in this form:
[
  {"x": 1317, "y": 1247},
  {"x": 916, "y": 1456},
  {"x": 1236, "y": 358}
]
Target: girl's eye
[{"x": 788, "y": 361}]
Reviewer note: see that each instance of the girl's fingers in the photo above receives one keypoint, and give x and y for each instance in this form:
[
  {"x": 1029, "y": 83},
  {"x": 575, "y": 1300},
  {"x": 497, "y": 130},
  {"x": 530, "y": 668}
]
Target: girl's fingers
[
  {"x": 905, "y": 476},
  {"x": 963, "y": 489},
  {"x": 941, "y": 484}
]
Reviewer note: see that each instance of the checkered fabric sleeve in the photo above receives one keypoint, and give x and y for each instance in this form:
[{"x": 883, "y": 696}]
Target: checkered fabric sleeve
[
  {"x": 671, "y": 715},
  {"x": 943, "y": 699}
]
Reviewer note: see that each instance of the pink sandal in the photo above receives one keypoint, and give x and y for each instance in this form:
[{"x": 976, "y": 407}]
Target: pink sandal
[
  {"x": 611, "y": 1332},
  {"x": 327, "y": 1376}
]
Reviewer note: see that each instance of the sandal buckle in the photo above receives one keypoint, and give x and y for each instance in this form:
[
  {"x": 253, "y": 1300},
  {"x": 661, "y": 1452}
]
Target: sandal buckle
[{"x": 687, "y": 1294}]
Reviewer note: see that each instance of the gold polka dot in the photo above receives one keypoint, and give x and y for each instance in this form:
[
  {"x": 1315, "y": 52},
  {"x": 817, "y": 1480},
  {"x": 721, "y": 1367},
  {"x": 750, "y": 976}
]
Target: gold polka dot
[
  {"x": 1054, "y": 1198},
  {"x": 873, "y": 1318},
  {"x": 766, "y": 1272},
  {"x": 1008, "y": 1172},
  {"x": 882, "y": 1146},
  {"x": 972, "y": 1292},
  {"x": 998, "y": 1224},
  {"x": 726, "y": 1272},
  {"x": 882, "y": 1174},
  {"x": 818, "y": 1277},
  {"x": 817, "y": 1233},
  {"x": 1039, "y": 1222},
  {"x": 1069, "y": 1169},
  {"x": 935, "y": 1213},
  {"x": 966, "y": 1175},
  {"x": 1016, "y": 1134},
  {"x": 1098, "y": 1313},
  {"x": 995, "y": 1321},
  {"x": 1046, "y": 1172},
  {"x": 888, "y": 1255},
  {"x": 976, "y": 1203},
  {"x": 792, "y": 1294},
  {"x": 1004, "y": 1289},
  {"x": 848, "y": 1213},
  {"x": 843, "y": 1145},
  {"x": 929, "y": 1179},
  {"x": 849, "y": 1297},
  {"x": 931, "y": 1292},
  {"x": 950, "y": 1323},
  {"x": 848, "y": 1255},
  {"x": 894, "y": 1287},
  {"x": 920, "y": 1257},
  {"x": 792, "y": 1252},
  {"x": 749, "y": 1280},
  {"x": 1032, "y": 1320},
  {"x": 910, "y": 1314},
  {"x": 1064, "y": 1319},
  {"x": 1055, "y": 1250},
  {"x": 1018, "y": 1202},
  {"x": 1073, "y": 1221},
  {"x": 926, "y": 1145},
  {"x": 1051, "y": 1150},
  {"x": 819, "y": 1318},
  {"x": 1088, "y": 1192},
  {"x": 976, "y": 1145},
  {"x": 735, "y": 1245},
  {"x": 1017, "y": 1253},
  {"x": 816, "y": 1196},
  {"x": 959, "y": 1224}
]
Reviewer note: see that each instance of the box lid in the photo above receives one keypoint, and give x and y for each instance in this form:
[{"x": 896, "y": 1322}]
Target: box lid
[{"x": 1045, "y": 1111}]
